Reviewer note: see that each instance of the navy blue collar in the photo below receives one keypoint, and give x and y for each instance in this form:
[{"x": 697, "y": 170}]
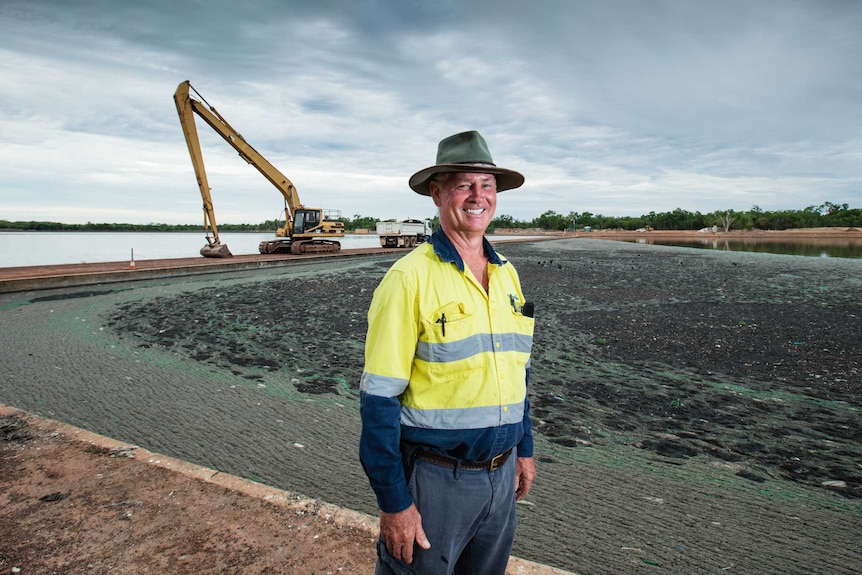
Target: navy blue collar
[{"x": 446, "y": 251}]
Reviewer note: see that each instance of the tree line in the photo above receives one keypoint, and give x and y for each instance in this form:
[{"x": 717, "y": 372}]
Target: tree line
[{"x": 826, "y": 215}]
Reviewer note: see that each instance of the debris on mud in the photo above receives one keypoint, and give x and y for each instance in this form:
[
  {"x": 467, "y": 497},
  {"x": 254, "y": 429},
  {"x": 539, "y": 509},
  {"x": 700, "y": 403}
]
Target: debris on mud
[{"x": 13, "y": 429}]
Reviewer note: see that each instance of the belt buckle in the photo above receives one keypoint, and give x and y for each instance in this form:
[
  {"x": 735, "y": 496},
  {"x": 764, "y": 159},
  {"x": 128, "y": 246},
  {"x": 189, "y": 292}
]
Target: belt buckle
[{"x": 495, "y": 462}]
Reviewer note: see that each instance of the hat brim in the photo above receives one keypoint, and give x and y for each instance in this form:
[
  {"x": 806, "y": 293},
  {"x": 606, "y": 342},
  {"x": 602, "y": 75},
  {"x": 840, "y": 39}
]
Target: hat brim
[{"x": 506, "y": 179}]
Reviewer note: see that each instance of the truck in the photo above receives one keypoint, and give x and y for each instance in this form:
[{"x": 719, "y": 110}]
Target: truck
[
  {"x": 305, "y": 229},
  {"x": 403, "y": 234}
]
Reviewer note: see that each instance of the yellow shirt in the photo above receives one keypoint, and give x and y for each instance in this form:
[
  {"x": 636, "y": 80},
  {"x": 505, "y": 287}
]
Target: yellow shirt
[{"x": 456, "y": 356}]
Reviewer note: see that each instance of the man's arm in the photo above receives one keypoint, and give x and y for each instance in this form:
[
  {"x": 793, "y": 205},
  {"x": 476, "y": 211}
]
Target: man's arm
[
  {"x": 389, "y": 348},
  {"x": 525, "y": 468},
  {"x": 379, "y": 449},
  {"x": 388, "y": 361}
]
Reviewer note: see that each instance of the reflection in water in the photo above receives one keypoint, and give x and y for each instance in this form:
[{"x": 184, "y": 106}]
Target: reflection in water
[{"x": 817, "y": 247}]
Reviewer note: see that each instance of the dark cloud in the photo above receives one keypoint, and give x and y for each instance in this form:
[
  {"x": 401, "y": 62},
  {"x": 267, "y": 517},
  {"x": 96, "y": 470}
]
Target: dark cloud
[{"x": 608, "y": 107}]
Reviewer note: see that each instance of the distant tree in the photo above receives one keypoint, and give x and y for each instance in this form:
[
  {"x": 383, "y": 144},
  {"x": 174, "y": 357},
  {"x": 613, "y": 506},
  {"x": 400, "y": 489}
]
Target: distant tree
[
  {"x": 840, "y": 215},
  {"x": 503, "y": 221},
  {"x": 600, "y": 222},
  {"x": 745, "y": 220},
  {"x": 809, "y": 217},
  {"x": 726, "y": 219},
  {"x": 551, "y": 220},
  {"x": 678, "y": 219},
  {"x": 362, "y": 222}
]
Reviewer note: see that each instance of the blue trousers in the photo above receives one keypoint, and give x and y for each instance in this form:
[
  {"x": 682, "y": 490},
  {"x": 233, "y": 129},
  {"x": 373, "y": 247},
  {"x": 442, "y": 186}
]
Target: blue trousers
[{"x": 469, "y": 518}]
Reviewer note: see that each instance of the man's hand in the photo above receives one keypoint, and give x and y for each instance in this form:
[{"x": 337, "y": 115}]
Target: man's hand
[
  {"x": 525, "y": 472},
  {"x": 401, "y": 530}
]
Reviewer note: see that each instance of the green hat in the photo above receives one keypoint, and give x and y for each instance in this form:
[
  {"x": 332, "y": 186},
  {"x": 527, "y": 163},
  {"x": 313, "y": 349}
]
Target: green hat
[{"x": 465, "y": 152}]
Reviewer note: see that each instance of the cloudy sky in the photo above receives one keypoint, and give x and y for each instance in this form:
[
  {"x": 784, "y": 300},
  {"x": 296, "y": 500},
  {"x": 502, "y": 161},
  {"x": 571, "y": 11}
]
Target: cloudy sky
[{"x": 613, "y": 107}]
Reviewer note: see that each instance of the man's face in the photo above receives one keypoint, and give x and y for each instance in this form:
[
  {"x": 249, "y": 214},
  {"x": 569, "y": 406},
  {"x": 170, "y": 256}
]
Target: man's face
[{"x": 467, "y": 202}]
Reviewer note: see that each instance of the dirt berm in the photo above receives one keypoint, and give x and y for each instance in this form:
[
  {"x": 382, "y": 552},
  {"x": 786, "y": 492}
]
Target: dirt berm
[{"x": 78, "y": 502}]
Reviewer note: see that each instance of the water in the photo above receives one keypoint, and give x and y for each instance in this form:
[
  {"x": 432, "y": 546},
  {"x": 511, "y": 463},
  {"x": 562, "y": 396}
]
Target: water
[
  {"x": 815, "y": 247},
  {"x": 48, "y": 248}
]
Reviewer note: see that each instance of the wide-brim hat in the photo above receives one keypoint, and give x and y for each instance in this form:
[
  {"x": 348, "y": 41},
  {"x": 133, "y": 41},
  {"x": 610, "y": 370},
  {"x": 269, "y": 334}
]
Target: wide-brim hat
[{"x": 465, "y": 152}]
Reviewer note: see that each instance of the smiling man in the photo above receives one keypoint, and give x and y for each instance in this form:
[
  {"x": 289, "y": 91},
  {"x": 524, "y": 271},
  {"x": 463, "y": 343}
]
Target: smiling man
[{"x": 446, "y": 438}]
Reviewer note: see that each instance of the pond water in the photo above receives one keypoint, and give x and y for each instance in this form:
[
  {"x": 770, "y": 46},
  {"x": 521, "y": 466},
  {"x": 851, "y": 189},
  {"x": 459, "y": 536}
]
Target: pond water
[
  {"x": 47, "y": 248},
  {"x": 815, "y": 247}
]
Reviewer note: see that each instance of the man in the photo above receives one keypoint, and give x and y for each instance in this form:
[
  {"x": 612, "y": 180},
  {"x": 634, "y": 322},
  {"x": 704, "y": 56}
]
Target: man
[{"x": 446, "y": 438}]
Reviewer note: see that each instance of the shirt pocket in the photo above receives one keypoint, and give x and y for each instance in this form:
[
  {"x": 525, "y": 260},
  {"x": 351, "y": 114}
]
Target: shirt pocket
[
  {"x": 522, "y": 338},
  {"x": 523, "y": 325},
  {"x": 448, "y": 323},
  {"x": 455, "y": 343}
]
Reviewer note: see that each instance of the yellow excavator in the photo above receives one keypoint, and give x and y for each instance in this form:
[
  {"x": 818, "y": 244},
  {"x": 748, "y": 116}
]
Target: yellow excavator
[{"x": 305, "y": 230}]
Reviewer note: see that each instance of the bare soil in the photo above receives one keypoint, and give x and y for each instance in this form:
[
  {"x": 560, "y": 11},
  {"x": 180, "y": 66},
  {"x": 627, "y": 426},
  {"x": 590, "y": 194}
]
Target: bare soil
[{"x": 72, "y": 507}]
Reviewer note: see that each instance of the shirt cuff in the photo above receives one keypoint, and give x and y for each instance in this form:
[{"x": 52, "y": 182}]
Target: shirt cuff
[
  {"x": 393, "y": 499},
  {"x": 525, "y": 447}
]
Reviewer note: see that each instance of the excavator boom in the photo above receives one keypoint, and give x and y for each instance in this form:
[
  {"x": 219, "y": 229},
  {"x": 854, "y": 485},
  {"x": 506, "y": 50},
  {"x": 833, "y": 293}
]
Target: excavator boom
[
  {"x": 214, "y": 247},
  {"x": 305, "y": 230}
]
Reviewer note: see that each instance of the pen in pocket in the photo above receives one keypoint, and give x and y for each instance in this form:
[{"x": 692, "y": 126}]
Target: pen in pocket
[{"x": 442, "y": 321}]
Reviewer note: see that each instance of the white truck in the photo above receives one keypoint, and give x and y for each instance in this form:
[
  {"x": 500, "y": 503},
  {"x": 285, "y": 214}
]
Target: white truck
[{"x": 406, "y": 234}]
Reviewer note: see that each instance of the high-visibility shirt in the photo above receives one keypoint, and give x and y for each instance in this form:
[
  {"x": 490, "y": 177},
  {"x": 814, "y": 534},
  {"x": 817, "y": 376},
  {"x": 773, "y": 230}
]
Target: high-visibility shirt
[{"x": 446, "y": 365}]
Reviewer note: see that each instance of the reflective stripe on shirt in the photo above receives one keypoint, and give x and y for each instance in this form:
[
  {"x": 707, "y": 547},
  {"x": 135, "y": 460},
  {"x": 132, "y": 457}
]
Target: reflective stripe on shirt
[
  {"x": 479, "y": 343},
  {"x": 475, "y": 418}
]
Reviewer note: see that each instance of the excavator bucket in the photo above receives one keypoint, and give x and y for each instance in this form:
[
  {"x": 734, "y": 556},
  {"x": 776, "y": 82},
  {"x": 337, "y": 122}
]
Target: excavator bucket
[{"x": 216, "y": 251}]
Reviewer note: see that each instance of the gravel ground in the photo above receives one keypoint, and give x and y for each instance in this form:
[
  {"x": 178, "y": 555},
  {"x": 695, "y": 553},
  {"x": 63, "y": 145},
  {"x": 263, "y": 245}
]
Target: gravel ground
[{"x": 697, "y": 411}]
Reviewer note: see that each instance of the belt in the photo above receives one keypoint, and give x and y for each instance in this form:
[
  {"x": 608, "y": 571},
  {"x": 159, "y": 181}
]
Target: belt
[{"x": 452, "y": 462}]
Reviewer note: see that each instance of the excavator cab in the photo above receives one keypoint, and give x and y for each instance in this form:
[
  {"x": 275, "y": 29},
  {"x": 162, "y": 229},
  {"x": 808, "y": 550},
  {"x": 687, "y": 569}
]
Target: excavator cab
[{"x": 305, "y": 220}]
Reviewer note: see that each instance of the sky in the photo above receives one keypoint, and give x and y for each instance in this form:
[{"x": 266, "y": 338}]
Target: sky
[{"x": 618, "y": 108}]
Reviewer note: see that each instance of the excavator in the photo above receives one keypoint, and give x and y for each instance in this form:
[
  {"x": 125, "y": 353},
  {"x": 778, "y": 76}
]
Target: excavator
[{"x": 305, "y": 230}]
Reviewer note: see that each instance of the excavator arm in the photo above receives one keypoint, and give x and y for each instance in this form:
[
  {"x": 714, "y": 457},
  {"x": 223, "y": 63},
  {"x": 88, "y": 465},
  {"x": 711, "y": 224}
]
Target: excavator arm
[
  {"x": 303, "y": 226},
  {"x": 306, "y": 229},
  {"x": 214, "y": 247}
]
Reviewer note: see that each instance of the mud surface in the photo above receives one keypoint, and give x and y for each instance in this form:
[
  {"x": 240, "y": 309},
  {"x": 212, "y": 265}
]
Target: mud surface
[
  {"x": 675, "y": 353},
  {"x": 696, "y": 411},
  {"x": 755, "y": 361}
]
